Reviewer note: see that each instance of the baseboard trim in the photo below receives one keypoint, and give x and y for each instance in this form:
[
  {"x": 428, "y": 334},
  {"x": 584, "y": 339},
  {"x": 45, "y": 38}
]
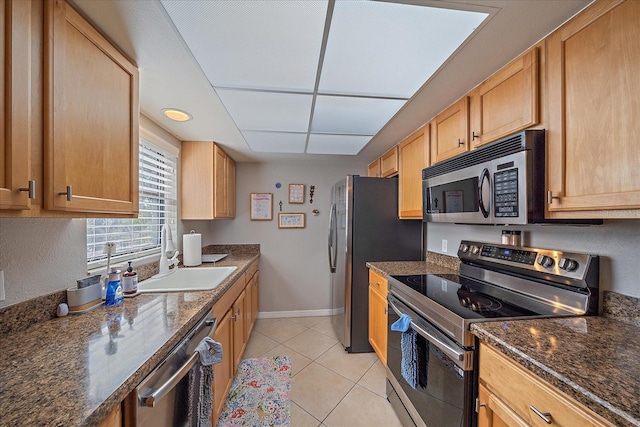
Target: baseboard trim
[{"x": 297, "y": 313}]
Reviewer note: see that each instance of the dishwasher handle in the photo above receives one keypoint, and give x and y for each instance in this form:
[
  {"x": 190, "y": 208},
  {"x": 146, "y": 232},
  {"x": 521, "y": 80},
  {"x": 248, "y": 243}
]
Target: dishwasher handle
[{"x": 155, "y": 396}]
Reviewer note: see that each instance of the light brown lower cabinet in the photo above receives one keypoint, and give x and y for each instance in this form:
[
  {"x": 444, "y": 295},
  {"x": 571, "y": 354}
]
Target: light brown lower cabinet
[
  {"x": 236, "y": 311},
  {"x": 378, "y": 315},
  {"x": 114, "y": 419},
  {"x": 511, "y": 395}
]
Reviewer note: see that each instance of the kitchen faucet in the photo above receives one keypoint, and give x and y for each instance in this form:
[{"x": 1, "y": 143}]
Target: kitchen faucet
[{"x": 168, "y": 253}]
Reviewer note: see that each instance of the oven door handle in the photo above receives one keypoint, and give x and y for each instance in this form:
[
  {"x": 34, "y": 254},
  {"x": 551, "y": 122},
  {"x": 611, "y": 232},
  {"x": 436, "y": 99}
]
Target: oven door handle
[{"x": 452, "y": 352}]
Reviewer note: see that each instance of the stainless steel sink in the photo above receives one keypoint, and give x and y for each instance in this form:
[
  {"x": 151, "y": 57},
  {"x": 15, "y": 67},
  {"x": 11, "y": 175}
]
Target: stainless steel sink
[{"x": 187, "y": 279}]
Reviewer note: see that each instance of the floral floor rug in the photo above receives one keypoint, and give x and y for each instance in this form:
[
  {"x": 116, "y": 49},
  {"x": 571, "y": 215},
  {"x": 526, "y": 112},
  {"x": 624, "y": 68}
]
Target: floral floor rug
[{"x": 260, "y": 394}]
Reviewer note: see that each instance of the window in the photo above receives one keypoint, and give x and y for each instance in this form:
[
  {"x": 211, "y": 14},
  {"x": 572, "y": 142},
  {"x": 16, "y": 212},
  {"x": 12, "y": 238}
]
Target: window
[{"x": 138, "y": 237}]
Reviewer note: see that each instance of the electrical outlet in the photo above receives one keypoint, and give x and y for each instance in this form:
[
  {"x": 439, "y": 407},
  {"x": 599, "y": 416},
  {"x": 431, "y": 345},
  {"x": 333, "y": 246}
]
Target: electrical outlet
[
  {"x": 2, "y": 285},
  {"x": 444, "y": 245}
]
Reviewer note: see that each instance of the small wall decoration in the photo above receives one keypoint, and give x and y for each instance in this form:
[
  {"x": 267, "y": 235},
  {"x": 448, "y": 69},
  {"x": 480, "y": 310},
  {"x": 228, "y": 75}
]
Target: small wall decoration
[
  {"x": 312, "y": 189},
  {"x": 261, "y": 206},
  {"x": 296, "y": 193},
  {"x": 290, "y": 220}
]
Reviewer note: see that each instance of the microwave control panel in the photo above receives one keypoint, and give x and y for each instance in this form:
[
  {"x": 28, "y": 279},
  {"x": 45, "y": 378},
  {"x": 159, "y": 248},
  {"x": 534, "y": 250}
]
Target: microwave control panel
[{"x": 505, "y": 193}]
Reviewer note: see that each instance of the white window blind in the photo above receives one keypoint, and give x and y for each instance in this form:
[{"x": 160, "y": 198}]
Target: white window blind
[{"x": 137, "y": 237}]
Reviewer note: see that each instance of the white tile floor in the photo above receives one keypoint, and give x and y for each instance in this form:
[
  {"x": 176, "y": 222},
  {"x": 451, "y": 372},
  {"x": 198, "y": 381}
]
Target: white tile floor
[{"x": 329, "y": 387}]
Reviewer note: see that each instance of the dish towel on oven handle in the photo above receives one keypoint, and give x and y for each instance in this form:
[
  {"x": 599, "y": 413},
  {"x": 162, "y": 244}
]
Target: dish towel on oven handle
[
  {"x": 408, "y": 348},
  {"x": 201, "y": 383}
]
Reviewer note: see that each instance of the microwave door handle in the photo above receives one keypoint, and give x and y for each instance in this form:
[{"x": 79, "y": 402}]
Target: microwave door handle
[{"x": 484, "y": 208}]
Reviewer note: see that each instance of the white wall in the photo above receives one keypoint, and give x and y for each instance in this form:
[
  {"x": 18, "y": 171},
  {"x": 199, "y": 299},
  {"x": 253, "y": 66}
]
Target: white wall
[
  {"x": 293, "y": 264},
  {"x": 616, "y": 241},
  {"x": 41, "y": 256}
]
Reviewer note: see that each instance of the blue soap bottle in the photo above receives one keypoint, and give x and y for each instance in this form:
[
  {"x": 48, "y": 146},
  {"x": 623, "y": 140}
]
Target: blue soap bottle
[{"x": 114, "y": 295}]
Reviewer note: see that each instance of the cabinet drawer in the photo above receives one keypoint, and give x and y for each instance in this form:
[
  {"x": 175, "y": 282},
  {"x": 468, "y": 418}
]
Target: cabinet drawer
[
  {"x": 378, "y": 282},
  {"x": 520, "y": 390}
]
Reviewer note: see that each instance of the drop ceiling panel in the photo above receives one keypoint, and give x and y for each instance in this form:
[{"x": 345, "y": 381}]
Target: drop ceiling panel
[
  {"x": 275, "y": 142},
  {"x": 253, "y": 44},
  {"x": 336, "y": 144},
  {"x": 390, "y": 49},
  {"x": 267, "y": 110},
  {"x": 351, "y": 115}
]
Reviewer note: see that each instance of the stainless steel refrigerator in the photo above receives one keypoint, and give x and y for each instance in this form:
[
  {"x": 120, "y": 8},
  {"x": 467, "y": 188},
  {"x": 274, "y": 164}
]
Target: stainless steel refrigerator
[{"x": 364, "y": 226}]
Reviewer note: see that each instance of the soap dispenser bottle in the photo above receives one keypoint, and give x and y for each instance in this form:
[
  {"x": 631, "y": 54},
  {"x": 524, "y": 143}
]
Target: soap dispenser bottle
[
  {"x": 114, "y": 294},
  {"x": 130, "y": 281}
]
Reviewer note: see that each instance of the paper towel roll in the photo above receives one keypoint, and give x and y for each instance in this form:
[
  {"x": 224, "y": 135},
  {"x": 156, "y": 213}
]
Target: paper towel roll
[{"x": 192, "y": 249}]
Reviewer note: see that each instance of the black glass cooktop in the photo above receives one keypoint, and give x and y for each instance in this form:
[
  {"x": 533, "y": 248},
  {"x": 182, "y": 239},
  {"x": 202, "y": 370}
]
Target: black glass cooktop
[{"x": 468, "y": 298}]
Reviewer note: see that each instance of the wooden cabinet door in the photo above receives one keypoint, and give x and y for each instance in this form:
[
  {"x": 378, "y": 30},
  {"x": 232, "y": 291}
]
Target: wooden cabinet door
[
  {"x": 15, "y": 114},
  {"x": 389, "y": 163},
  {"x": 223, "y": 372},
  {"x": 249, "y": 308},
  {"x": 593, "y": 91},
  {"x": 114, "y": 419},
  {"x": 507, "y": 101},
  {"x": 239, "y": 332},
  {"x": 197, "y": 178},
  {"x": 91, "y": 118},
  {"x": 374, "y": 168},
  {"x": 378, "y": 323},
  {"x": 413, "y": 154},
  {"x": 378, "y": 315},
  {"x": 220, "y": 182},
  {"x": 230, "y": 174},
  {"x": 255, "y": 298},
  {"x": 450, "y": 131}
]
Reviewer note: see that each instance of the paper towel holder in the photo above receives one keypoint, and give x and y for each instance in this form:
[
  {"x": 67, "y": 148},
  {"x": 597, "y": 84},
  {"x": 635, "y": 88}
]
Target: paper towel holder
[{"x": 192, "y": 256}]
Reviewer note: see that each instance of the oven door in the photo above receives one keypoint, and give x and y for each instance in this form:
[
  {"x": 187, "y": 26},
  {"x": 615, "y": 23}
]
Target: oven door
[{"x": 444, "y": 392}]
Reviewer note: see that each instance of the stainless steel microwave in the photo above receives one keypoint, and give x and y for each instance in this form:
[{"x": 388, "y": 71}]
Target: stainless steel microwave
[{"x": 500, "y": 183}]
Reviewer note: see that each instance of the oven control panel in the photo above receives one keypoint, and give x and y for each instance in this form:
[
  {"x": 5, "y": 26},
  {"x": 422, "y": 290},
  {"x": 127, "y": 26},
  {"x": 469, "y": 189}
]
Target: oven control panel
[{"x": 564, "y": 264}]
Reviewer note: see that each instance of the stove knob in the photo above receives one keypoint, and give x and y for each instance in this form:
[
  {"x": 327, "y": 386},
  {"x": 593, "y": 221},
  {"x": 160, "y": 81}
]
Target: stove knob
[
  {"x": 464, "y": 248},
  {"x": 568, "y": 264},
  {"x": 545, "y": 261},
  {"x": 475, "y": 250}
]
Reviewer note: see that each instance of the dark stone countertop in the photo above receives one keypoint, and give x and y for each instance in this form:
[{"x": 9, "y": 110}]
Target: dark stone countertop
[
  {"x": 594, "y": 360},
  {"x": 75, "y": 370}
]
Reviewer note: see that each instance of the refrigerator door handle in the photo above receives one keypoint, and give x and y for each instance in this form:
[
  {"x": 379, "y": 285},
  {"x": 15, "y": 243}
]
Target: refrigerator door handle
[{"x": 333, "y": 238}]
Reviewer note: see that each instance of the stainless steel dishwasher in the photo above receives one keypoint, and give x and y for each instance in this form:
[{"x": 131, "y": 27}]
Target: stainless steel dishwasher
[{"x": 162, "y": 397}]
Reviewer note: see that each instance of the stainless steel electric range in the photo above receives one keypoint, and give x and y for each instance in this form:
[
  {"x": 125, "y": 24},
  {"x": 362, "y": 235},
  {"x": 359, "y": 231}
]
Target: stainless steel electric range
[{"x": 495, "y": 282}]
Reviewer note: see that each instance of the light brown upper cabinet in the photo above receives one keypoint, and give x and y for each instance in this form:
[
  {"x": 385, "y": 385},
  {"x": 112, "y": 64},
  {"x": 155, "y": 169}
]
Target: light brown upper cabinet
[
  {"x": 15, "y": 117},
  {"x": 91, "y": 110},
  {"x": 450, "y": 131},
  {"x": 208, "y": 181},
  {"x": 506, "y": 102},
  {"x": 374, "y": 169},
  {"x": 389, "y": 163},
  {"x": 413, "y": 153},
  {"x": 594, "y": 113}
]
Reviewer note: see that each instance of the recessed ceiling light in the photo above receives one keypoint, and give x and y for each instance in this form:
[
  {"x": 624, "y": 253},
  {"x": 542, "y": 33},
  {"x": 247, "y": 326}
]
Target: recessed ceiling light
[{"x": 177, "y": 115}]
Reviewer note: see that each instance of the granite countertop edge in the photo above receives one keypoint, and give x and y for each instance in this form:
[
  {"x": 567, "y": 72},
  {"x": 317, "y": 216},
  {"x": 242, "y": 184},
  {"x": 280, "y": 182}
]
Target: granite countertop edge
[
  {"x": 93, "y": 412},
  {"x": 554, "y": 373}
]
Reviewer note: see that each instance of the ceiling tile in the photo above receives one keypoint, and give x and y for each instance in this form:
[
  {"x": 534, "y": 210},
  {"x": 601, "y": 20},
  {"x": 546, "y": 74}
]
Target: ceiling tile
[
  {"x": 275, "y": 142},
  {"x": 267, "y": 110},
  {"x": 260, "y": 44},
  {"x": 336, "y": 144},
  {"x": 390, "y": 49},
  {"x": 350, "y": 115}
]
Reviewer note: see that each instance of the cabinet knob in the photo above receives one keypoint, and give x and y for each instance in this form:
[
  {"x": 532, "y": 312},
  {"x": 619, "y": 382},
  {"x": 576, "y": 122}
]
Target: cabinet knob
[
  {"x": 474, "y": 136},
  {"x": 460, "y": 142},
  {"x": 31, "y": 189},
  {"x": 551, "y": 197},
  {"x": 68, "y": 193}
]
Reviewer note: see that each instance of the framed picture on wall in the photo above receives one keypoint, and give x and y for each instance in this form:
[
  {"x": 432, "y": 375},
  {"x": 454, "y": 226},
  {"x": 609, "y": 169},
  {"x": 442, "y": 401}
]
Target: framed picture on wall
[
  {"x": 290, "y": 220},
  {"x": 261, "y": 206},
  {"x": 296, "y": 193}
]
